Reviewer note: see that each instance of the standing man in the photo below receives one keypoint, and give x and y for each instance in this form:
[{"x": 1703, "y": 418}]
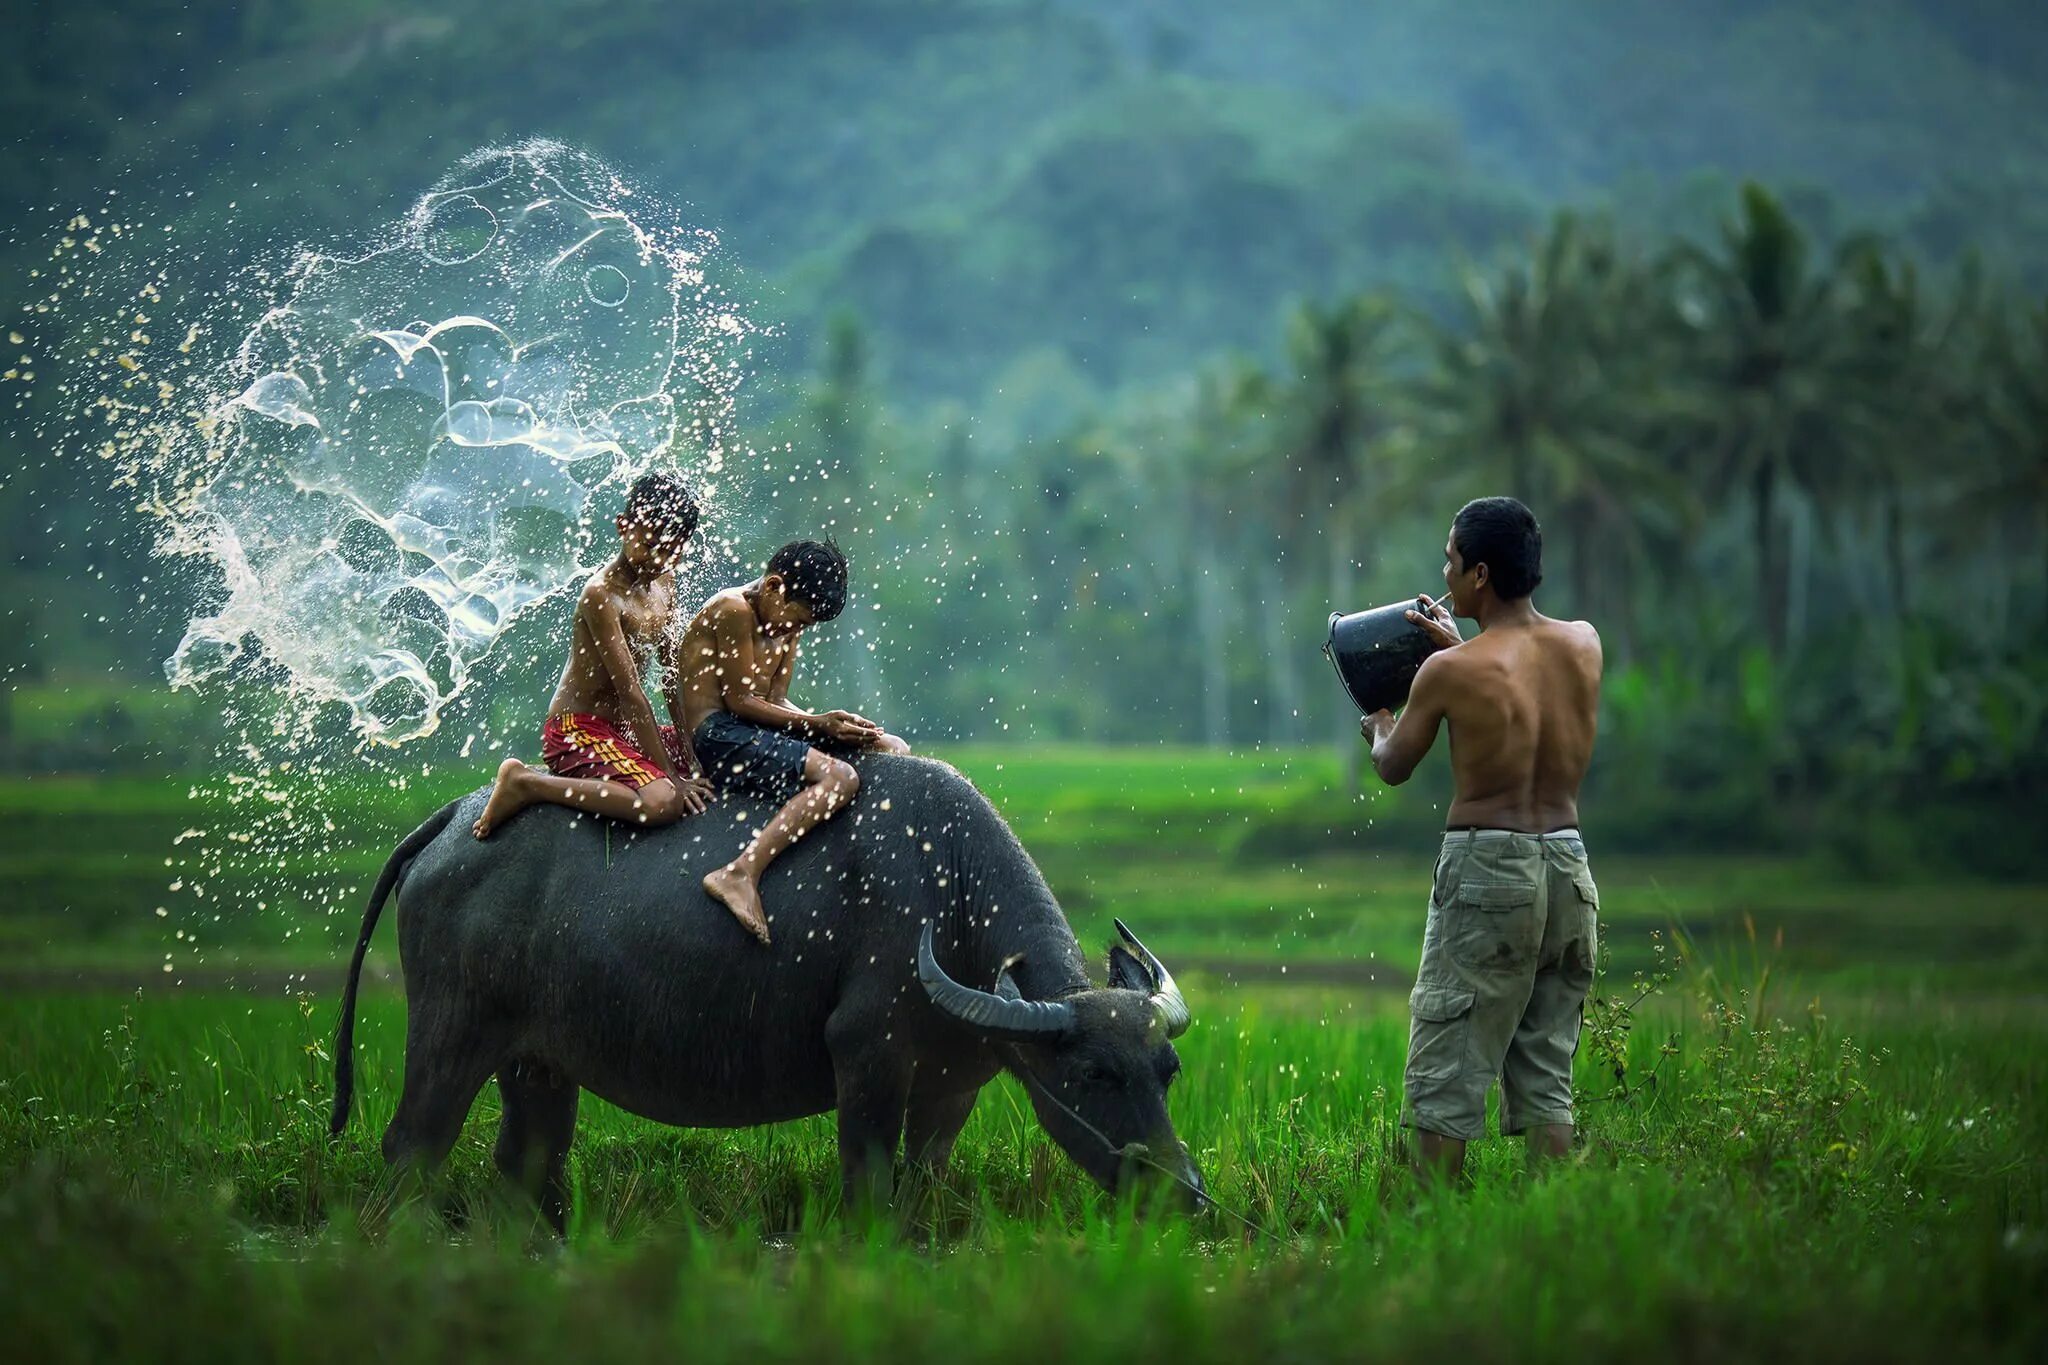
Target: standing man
[{"x": 1507, "y": 957}]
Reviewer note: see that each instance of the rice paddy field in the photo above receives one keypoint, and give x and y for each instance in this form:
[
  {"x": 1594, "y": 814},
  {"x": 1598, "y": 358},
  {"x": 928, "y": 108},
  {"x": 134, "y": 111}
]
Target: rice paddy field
[{"x": 1811, "y": 1109}]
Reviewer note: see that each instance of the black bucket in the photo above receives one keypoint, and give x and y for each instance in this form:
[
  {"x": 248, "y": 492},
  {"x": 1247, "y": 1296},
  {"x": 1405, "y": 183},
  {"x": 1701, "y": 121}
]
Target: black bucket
[{"x": 1377, "y": 654}]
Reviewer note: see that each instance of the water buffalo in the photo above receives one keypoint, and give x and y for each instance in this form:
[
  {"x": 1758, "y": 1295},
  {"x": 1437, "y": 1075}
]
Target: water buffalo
[{"x": 568, "y": 954}]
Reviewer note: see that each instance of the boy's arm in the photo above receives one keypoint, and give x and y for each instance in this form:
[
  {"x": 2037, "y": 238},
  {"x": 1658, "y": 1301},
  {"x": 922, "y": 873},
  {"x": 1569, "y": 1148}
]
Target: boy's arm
[
  {"x": 1399, "y": 745},
  {"x": 667, "y": 659},
  {"x": 746, "y": 692},
  {"x": 832, "y": 725},
  {"x": 601, "y": 611},
  {"x": 741, "y": 688},
  {"x": 778, "y": 687}
]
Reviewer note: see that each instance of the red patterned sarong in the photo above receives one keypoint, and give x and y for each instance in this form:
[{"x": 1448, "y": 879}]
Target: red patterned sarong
[{"x": 579, "y": 744}]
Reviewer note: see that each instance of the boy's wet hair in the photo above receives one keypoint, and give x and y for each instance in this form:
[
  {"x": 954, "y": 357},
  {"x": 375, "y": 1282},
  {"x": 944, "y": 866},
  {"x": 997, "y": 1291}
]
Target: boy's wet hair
[
  {"x": 663, "y": 504},
  {"x": 1503, "y": 535},
  {"x": 814, "y": 573}
]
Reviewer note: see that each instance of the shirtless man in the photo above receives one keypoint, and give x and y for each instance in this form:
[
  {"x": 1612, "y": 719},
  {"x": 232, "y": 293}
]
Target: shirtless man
[
  {"x": 605, "y": 752},
  {"x": 1507, "y": 957},
  {"x": 731, "y": 696}
]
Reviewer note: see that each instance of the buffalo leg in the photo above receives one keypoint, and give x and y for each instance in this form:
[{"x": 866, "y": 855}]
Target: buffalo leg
[
  {"x": 933, "y": 1125},
  {"x": 534, "y": 1133},
  {"x": 872, "y": 1088},
  {"x": 445, "y": 1065}
]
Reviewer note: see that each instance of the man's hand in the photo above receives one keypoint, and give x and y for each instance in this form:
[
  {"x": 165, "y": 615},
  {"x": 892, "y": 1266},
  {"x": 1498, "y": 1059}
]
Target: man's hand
[
  {"x": 694, "y": 793},
  {"x": 1436, "y": 621},
  {"x": 1378, "y": 725}
]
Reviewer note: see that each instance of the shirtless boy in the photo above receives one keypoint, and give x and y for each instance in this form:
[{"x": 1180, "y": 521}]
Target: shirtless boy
[
  {"x": 605, "y": 752},
  {"x": 1507, "y": 957},
  {"x": 733, "y": 677}
]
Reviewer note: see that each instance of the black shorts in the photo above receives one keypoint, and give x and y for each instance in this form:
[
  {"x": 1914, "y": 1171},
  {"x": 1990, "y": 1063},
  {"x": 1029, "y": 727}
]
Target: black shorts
[{"x": 742, "y": 758}]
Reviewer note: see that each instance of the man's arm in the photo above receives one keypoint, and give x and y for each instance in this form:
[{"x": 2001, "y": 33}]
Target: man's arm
[
  {"x": 1399, "y": 745},
  {"x": 600, "y": 610}
]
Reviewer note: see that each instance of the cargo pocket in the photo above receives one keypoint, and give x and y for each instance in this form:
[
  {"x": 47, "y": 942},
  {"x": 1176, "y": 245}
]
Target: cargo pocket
[
  {"x": 1439, "y": 1019},
  {"x": 1444, "y": 882},
  {"x": 1497, "y": 927},
  {"x": 1585, "y": 946}
]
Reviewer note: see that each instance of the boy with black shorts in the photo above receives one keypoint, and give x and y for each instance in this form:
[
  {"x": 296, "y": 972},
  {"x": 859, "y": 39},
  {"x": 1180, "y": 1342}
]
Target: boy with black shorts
[{"x": 731, "y": 694}]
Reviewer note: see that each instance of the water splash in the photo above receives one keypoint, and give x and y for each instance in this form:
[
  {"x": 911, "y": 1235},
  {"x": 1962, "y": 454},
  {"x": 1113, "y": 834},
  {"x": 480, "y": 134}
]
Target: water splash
[{"x": 413, "y": 446}]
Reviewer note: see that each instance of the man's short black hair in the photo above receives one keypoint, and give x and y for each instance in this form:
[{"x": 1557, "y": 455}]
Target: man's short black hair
[
  {"x": 814, "y": 573},
  {"x": 1503, "y": 535},
  {"x": 663, "y": 504}
]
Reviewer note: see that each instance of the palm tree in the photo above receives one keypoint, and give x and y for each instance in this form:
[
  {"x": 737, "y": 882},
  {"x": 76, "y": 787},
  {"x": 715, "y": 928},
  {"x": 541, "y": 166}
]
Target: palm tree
[
  {"x": 2014, "y": 480},
  {"x": 1552, "y": 387},
  {"x": 1770, "y": 353},
  {"x": 839, "y": 406},
  {"x": 1331, "y": 409},
  {"x": 1915, "y": 392}
]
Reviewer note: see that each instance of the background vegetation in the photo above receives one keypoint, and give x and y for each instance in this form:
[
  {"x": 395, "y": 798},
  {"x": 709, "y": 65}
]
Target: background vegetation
[{"x": 1146, "y": 335}]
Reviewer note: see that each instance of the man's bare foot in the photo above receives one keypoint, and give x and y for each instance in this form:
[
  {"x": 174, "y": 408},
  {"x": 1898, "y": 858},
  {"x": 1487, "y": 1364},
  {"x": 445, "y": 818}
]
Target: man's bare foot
[
  {"x": 736, "y": 891},
  {"x": 510, "y": 794}
]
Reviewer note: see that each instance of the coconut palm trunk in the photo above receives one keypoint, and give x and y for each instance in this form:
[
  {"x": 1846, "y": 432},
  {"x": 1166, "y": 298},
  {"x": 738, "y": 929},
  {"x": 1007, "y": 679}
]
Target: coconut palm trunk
[
  {"x": 1212, "y": 638},
  {"x": 1343, "y": 595}
]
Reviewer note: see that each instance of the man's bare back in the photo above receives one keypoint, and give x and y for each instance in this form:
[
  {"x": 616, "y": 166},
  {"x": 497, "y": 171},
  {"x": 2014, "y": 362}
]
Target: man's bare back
[{"x": 1522, "y": 701}]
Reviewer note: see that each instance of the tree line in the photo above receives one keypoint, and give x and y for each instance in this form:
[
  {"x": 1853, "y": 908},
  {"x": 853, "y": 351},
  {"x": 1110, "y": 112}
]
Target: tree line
[
  {"x": 1801, "y": 488},
  {"x": 1800, "y": 484}
]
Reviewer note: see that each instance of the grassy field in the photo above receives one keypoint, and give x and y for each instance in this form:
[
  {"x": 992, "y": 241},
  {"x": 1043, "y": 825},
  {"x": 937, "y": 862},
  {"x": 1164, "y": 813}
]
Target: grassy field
[
  {"x": 1239, "y": 864},
  {"x": 1825, "y": 1146},
  {"x": 1819, "y": 1188}
]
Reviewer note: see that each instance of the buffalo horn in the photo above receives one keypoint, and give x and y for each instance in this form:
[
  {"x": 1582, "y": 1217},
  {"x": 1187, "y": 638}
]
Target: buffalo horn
[
  {"x": 1016, "y": 1020},
  {"x": 1166, "y": 997}
]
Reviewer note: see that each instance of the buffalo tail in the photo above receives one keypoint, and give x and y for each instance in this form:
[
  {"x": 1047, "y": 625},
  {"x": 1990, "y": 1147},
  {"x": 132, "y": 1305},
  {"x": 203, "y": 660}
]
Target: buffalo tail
[{"x": 345, "y": 1036}]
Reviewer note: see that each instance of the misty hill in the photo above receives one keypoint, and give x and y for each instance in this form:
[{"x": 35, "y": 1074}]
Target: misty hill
[{"x": 1123, "y": 186}]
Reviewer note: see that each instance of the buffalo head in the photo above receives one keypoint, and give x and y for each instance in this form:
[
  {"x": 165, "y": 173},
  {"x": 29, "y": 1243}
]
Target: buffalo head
[{"x": 1097, "y": 1064}]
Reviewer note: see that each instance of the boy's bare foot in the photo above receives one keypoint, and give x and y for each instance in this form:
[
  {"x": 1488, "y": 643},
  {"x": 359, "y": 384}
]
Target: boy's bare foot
[
  {"x": 509, "y": 795},
  {"x": 736, "y": 891}
]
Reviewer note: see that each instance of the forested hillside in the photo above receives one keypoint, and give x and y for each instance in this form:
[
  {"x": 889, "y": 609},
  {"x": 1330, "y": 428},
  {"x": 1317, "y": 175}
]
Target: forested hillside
[{"x": 1134, "y": 184}]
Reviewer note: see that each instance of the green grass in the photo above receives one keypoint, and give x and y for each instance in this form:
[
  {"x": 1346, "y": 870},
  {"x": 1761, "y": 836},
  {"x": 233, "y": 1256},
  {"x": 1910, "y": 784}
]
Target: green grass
[
  {"x": 1762, "y": 1180},
  {"x": 1250, "y": 858},
  {"x": 1779, "y": 1188}
]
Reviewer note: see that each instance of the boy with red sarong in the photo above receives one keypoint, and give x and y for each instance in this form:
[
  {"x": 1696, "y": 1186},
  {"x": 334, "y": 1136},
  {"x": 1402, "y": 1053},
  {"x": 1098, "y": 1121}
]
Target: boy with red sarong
[{"x": 605, "y": 751}]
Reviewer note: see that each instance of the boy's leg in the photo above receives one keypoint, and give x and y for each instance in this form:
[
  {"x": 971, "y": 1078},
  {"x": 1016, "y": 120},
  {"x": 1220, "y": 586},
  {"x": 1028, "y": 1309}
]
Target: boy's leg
[
  {"x": 829, "y": 783},
  {"x": 519, "y": 786}
]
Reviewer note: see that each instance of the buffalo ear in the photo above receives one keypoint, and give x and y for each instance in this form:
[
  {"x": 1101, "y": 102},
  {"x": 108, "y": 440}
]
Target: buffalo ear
[{"x": 1127, "y": 973}]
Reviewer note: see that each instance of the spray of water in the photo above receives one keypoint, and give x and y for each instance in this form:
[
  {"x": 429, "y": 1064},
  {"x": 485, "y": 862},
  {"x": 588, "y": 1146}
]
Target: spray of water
[
  {"x": 419, "y": 436},
  {"x": 365, "y": 467}
]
